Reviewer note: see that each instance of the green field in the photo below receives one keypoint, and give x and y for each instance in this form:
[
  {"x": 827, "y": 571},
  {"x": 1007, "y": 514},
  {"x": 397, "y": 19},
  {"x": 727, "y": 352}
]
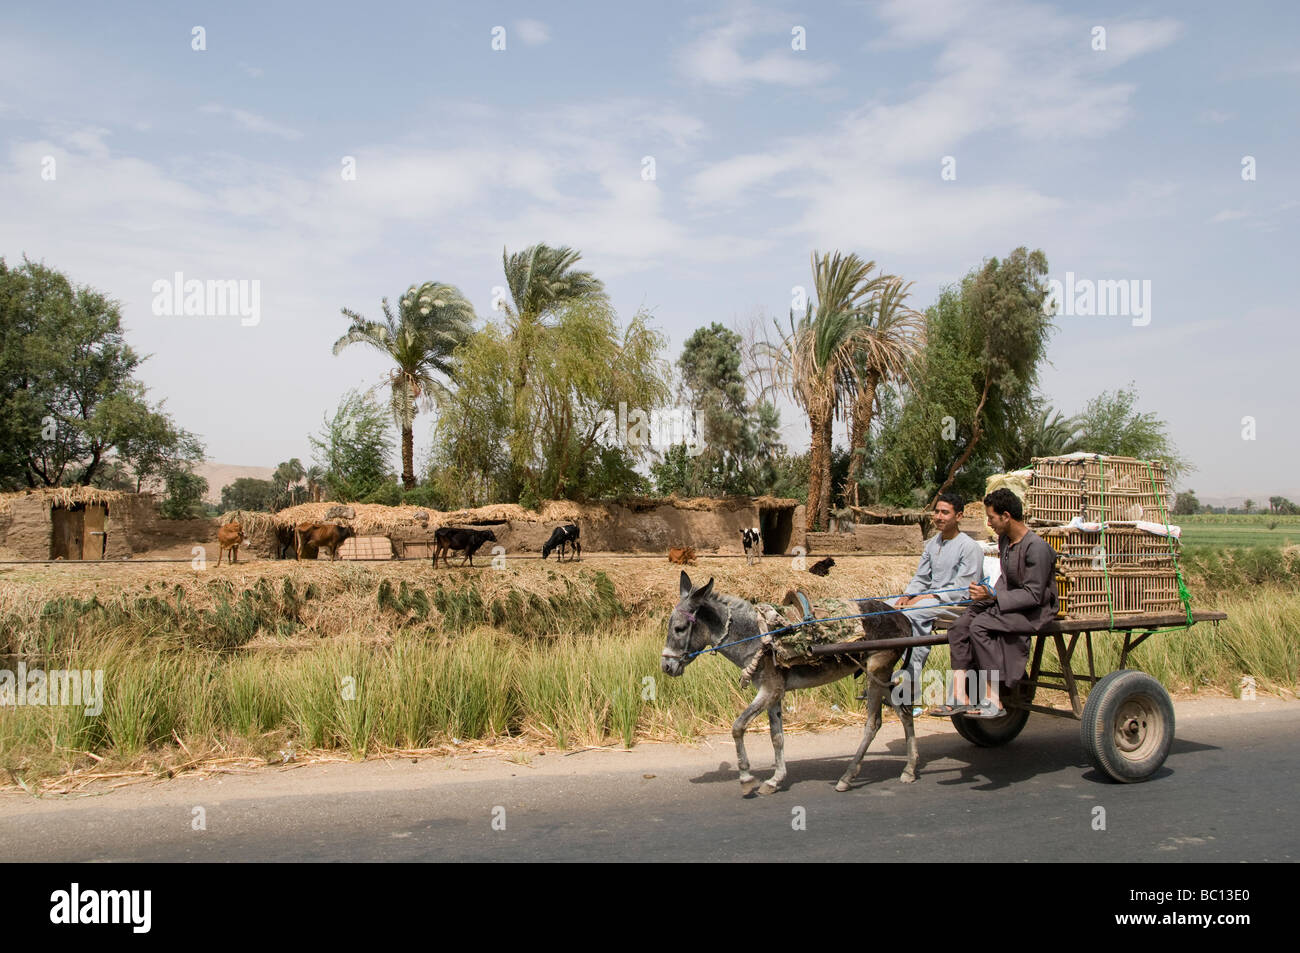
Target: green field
[{"x": 1239, "y": 530}]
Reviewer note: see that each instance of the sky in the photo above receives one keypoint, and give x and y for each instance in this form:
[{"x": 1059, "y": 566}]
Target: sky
[{"x": 696, "y": 154}]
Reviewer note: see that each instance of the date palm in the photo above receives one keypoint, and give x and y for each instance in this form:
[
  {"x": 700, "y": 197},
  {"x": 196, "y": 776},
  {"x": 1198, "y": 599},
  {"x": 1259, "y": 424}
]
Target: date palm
[
  {"x": 890, "y": 338},
  {"x": 815, "y": 363},
  {"x": 431, "y": 321}
]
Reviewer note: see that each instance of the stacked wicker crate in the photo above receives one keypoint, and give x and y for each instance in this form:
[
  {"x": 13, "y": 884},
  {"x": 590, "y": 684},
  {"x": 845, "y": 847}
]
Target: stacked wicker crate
[{"x": 1120, "y": 570}]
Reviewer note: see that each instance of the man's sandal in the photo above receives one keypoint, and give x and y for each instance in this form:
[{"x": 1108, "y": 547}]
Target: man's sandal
[
  {"x": 986, "y": 711},
  {"x": 947, "y": 711}
]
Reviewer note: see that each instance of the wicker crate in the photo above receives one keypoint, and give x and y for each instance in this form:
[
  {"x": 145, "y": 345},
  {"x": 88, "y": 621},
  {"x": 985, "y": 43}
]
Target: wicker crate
[
  {"x": 1123, "y": 548},
  {"x": 1083, "y": 594},
  {"x": 1065, "y": 487}
]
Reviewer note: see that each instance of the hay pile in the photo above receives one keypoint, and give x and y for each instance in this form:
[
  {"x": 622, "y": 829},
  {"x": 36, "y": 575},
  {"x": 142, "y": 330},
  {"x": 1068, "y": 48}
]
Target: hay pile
[{"x": 374, "y": 519}]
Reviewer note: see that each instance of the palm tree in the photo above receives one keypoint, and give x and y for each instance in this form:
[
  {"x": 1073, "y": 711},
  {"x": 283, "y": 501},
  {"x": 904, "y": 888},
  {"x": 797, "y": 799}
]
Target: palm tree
[
  {"x": 431, "y": 322},
  {"x": 890, "y": 338},
  {"x": 289, "y": 475},
  {"x": 815, "y": 362},
  {"x": 1047, "y": 433}
]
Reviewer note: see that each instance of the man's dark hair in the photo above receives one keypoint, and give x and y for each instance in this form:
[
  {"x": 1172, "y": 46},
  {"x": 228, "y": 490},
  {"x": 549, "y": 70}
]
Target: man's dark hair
[
  {"x": 1004, "y": 501},
  {"x": 953, "y": 500}
]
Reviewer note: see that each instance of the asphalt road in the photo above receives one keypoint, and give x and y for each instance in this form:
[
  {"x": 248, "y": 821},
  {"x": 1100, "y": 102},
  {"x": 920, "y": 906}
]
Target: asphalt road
[{"x": 1226, "y": 793}]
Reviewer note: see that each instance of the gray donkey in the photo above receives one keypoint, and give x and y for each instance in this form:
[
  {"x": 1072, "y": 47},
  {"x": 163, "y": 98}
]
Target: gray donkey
[{"x": 703, "y": 618}]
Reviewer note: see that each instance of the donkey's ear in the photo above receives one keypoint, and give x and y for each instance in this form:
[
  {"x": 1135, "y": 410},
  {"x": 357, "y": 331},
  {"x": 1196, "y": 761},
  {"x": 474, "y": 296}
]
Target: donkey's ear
[
  {"x": 685, "y": 585},
  {"x": 704, "y": 591}
]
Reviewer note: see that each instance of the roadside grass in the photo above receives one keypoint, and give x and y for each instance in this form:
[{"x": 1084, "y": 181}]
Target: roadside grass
[{"x": 415, "y": 673}]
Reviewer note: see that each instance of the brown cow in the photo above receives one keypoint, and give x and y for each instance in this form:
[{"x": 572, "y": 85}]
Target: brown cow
[
  {"x": 317, "y": 536},
  {"x": 684, "y": 556},
  {"x": 229, "y": 537}
]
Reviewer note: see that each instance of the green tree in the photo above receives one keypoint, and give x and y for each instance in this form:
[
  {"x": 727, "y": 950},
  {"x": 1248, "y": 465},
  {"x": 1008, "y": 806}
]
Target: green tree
[
  {"x": 69, "y": 402},
  {"x": 1249, "y": 505},
  {"x": 354, "y": 448},
  {"x": 1005, "y": 339},
  {"x": 248, "y": 493},
  {"x": 710, "y": 365},
  {"x": 542, "y": 279},
  {"x": 184, "y": 496},
  {"x": 576, "y": 383},
  {"x": 1112, "y": 424},
  {"x": 1186, "y": 504},
  {"x": 430, "y": 323}
]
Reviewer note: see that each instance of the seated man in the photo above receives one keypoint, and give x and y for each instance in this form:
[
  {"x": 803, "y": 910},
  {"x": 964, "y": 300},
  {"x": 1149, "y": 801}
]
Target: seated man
[
  {"x": 992, "y": 635},
  {"x": 950, "y": 562}
]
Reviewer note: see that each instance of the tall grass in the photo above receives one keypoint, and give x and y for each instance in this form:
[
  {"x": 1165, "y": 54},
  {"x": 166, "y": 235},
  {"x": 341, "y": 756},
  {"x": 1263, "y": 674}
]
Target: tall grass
[{"x": 572, "y": 668}]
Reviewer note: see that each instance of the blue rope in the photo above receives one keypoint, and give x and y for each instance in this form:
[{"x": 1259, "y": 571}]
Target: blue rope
[{"x": 803, "y": 622}]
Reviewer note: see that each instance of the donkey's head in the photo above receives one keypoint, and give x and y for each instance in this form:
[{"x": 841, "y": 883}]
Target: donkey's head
[{"x": 690, "y": 627}]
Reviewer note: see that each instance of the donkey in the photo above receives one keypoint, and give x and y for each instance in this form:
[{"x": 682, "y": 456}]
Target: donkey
[{"x": 703, "y": 618}]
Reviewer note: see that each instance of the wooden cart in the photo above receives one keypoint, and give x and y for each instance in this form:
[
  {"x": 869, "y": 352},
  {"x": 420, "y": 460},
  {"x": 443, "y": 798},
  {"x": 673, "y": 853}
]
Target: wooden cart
[{"x": 1127, "y": 721}]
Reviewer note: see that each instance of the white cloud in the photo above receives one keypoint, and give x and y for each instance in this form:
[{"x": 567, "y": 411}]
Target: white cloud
[
  {"x": 252, "y": 121},
  {"x": 1228, "y": 215},
  {"x": 253, "y": 71},
  {"x": 532, "y": 32},
  {"x": 716, "y": 57}
]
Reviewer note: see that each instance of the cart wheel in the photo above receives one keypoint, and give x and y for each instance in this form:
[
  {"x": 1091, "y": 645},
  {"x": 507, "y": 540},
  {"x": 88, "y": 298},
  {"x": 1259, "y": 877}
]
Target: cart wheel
[
  {"x": 1000, "y": 731},
  {"x": 1128, "y": 725}
]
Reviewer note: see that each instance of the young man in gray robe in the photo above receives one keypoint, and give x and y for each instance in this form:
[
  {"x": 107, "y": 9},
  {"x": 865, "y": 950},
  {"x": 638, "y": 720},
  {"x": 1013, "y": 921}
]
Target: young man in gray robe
[
  {"x": 992, "y": 636},
  {"x": 950, "y": 562}
]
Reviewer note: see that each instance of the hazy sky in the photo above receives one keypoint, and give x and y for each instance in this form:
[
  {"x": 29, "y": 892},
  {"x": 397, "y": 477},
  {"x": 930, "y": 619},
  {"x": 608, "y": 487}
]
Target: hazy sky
[{"x": 127, "y": 156}]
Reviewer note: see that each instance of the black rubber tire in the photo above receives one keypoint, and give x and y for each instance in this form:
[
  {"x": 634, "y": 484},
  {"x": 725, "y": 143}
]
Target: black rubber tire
[
  {"x": 992, "y": 732},
  {"x": 995, "y": 732},
  {"x": 1127, "y": 727}
]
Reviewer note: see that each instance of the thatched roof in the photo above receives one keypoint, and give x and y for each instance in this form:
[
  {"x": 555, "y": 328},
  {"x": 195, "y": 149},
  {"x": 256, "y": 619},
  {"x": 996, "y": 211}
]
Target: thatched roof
[{"x": 62, "y": 497}]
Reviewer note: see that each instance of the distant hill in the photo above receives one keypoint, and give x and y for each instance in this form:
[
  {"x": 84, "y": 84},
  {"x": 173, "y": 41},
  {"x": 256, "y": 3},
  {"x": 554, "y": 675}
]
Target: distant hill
[{"x": 220, "y": 475}]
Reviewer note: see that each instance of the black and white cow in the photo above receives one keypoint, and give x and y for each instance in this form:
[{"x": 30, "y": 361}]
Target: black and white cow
[
  {"x": 749, "y": 538},
  {"x": 562, "y": 537}
]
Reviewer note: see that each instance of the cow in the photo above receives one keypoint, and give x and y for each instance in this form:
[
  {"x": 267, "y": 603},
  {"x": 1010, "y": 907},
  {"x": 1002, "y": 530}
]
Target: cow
[
  {"x": 822, "y": 567},
  {"x": 447, "y": 538},
  {"x": 230, "y": 537},
  {"x": 318, "y": 536},
  {"x": 286, "y": 542},
  {"x": 682, "y": 555},
  {"x": 562, "y": 537},
  {"x": 749, "y": 538}
]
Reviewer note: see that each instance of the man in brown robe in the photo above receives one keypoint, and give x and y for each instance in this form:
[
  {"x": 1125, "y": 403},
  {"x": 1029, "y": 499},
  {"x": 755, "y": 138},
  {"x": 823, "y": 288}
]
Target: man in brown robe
[{"x": 992, "y": 635}]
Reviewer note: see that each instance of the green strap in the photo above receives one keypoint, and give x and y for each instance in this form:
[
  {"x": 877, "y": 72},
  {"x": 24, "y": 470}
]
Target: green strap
[{"x": 1183, "y": 593}]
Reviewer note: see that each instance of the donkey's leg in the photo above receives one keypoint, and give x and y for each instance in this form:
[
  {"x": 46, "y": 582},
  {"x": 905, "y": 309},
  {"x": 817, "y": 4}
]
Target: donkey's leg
[
  {"x": 909, "y": 729},
  {"x": 773, "y": 784},
  {"x": 875, "y": 696},
  {"x": 747, "y": 781}
]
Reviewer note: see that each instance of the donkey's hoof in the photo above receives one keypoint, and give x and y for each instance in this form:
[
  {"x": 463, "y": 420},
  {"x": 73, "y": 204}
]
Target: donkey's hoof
[
  {"x": 842, "y": 786},
  {"x": 907, "y": 777},
  {"x": 767, "y": 788},
  {"x": 747, "y": 786}
]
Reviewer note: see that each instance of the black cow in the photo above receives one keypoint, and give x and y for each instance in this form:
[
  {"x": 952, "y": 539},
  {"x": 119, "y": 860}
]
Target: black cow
[
  {"x": 286, "y": 542},
  {"x": 447, "y": 538},
  {"x": 750, "y": 539},
  {"x": 562, "y": 537}
]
